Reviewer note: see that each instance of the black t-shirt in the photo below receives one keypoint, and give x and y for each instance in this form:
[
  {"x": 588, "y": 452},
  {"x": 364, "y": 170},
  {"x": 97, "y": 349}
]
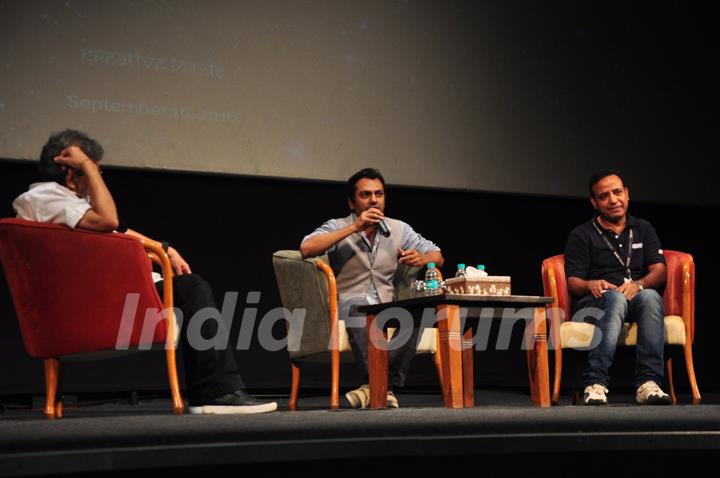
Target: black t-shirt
[{"x": 589, "y": 257}]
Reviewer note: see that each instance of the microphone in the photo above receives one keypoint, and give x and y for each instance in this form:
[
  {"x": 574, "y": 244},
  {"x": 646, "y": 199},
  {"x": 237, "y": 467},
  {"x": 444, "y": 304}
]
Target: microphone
[{"x": 382, "y": 227}]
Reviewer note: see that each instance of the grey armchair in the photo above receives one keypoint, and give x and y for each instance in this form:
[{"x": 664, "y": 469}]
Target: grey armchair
[{"x": 310, "y": 284}]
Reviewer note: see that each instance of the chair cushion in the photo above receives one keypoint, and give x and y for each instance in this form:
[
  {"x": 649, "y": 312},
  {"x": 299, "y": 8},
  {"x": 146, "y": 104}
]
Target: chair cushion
[
  {"x": 578, "y": 335},
  {"x": 427, "y": 343},
  {"x": 344, "y": 339}
]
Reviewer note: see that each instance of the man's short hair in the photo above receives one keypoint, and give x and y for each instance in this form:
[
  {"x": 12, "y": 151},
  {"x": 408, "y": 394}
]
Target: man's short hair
[
  {"x": 368, "y": 173},
  {"x": 48, "y": 169},
  {"x": 599, "y": 175}
]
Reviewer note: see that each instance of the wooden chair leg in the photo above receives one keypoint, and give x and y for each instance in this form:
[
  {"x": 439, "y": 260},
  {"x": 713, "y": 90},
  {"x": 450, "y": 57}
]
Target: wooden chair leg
[
  {"x": 557, "y": 379},
  {"x": 335, "y": 379},
  {"x": 294, "y": 386},
  {"x": 555, "y": 322},
  {"x": 52, "y": 370},
  {"x": 694, "y": 390},
  {"x": 178, "y": 405},
  {"x": 669, "y": 380}
]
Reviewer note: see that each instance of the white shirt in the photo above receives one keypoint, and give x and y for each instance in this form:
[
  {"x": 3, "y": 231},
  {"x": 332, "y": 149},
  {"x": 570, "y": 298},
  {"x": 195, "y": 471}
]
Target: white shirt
[{"x": 51, "y": 202}]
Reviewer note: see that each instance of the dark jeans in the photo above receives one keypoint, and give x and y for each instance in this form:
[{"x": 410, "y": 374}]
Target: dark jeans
[
  {"x": 401, "y": 349},
  {"x": 648, "y": 310},
  {"x": 208, "y": 373}
]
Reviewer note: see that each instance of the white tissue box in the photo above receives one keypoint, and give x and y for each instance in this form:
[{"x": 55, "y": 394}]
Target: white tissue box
[{"x": 488, "y": 285}]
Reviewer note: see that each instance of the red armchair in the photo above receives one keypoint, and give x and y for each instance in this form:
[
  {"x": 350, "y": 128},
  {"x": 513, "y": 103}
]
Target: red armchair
[
  {"x": 69, "y": 288},
  {"x": 679, "y": 298}
]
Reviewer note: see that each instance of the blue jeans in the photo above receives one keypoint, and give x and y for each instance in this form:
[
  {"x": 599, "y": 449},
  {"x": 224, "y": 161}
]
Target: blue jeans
[{"x": 648, "y": 310}]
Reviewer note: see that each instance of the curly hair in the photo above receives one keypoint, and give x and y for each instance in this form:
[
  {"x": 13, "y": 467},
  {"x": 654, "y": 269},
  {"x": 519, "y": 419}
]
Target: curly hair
[{"x": 48, "y": 169}]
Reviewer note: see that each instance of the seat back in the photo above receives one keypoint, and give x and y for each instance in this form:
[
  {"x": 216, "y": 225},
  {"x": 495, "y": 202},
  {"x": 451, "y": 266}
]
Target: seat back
[
  {"x": 303, "y": 286},
  {"x": 679, "y": 295},
  {"x": 555, "y": 286},
  {"x": 69, "y": 288}
]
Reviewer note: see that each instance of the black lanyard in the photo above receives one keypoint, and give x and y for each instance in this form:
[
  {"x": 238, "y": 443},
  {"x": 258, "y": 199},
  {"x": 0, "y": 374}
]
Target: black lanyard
[{"x": 612, "y": 247}]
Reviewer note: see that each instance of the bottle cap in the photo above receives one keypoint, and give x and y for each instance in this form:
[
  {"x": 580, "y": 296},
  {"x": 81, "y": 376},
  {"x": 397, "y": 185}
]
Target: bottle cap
[
  {"x": 481, "y": 267},
  {"x": 461, "y": 266},
  {"x": 430, "y": 265}
]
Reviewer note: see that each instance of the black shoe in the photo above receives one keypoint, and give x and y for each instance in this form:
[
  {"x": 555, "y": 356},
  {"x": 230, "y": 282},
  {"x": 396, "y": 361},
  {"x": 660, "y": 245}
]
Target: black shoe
[{"x": 237, "y": 402}]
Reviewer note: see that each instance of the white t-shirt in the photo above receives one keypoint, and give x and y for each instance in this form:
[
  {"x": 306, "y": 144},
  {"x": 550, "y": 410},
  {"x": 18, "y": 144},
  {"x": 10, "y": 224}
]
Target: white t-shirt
[{"x": 51, "y": 202}]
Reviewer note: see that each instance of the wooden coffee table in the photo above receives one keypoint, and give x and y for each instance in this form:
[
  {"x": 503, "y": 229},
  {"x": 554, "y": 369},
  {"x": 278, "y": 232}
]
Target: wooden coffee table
[{"x": 455, "y": 343}]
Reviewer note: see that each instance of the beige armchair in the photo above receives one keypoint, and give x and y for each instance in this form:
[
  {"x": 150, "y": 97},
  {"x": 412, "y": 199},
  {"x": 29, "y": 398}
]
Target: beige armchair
[{"x": 679, "y": 298}]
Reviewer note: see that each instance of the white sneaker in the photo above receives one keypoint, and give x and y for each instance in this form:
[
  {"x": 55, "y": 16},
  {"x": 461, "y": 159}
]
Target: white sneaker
[
  {"x": 595, "y": 394},
  {"x": 360, "y": 397},
  {"x": 650, "y": 393},
  {"x": 392, "y": 401}
]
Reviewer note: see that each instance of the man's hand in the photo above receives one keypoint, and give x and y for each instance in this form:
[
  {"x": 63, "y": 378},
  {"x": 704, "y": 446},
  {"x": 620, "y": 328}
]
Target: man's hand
[
  {"x": 179, "y": 265},
  {"x": 368, "y": 218},
  {"x": 597, "y": 287},
  {"x": 73, "y": 157},
  {"x": 411, "y": 257},
  {"x": 629, "y": 289}
]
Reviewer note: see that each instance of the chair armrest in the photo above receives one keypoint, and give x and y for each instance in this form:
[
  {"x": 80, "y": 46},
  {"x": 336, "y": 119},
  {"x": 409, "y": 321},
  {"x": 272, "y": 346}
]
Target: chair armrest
[
  {"x": 553, "y": 309},
  {"x": 156, "y": 254},
  {"x": 332, "y": 303}
]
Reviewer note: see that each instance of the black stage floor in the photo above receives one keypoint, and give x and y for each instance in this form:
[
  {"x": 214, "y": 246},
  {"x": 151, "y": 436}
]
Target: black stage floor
[{"x": 502, "y": 430}]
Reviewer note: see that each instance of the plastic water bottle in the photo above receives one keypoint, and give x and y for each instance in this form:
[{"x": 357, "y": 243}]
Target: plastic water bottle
[
  {"x": 461, "y": 271},
  {"x": 432, "y": 285},
  {"x": 481, "y": 268}
]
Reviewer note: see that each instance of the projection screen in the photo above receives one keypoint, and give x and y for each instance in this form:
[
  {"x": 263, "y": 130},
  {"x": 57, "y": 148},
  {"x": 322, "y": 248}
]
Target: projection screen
[{"x": 441, "y": 94}]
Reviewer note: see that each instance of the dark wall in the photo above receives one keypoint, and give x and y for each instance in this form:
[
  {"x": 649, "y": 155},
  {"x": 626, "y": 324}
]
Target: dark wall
[{"x": 227, "y": 227}]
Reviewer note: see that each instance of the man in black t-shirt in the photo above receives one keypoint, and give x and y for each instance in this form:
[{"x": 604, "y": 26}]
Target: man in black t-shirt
[{"x": 616, "y": 271}]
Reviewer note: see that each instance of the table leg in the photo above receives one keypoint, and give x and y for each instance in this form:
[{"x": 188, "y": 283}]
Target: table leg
[
  {"x": 448, "y": 324},
  {"x": 377, "y": 364},
  {"x": 537, "y": 357},
  {"x": 468, "y": 369}
]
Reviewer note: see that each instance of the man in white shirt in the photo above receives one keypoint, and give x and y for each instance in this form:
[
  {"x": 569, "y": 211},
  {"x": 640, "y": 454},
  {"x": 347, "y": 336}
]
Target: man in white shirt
[{"x": 71, "y": 191}]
